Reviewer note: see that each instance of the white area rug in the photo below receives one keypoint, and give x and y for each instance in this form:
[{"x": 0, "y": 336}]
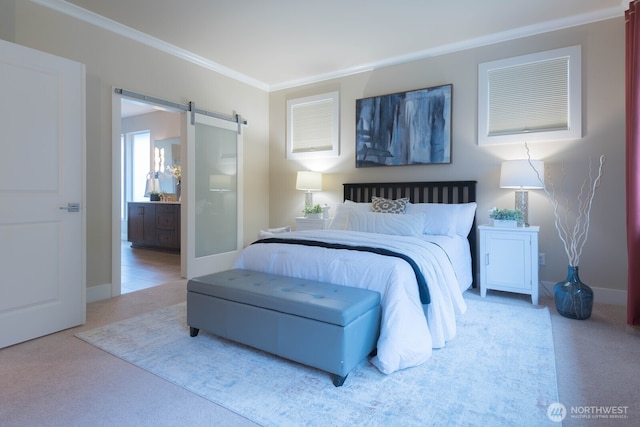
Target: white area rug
[{"x": 498, "y": 371}]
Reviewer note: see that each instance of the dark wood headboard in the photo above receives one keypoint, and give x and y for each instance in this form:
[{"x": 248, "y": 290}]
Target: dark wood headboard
[{"x": 451, "y": 192}]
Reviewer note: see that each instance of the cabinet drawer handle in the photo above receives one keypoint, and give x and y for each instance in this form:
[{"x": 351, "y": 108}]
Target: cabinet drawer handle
[{"x": 486, "y": 259}]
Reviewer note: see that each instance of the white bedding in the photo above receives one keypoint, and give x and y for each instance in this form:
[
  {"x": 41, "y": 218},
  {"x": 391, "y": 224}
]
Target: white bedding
[
  {"x": 406, "y": 336},
  {"x": 457, "y": 248}
]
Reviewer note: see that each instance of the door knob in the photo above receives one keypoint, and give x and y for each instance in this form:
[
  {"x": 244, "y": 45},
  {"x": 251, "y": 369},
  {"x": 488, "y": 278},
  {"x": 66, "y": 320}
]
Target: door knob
[{"x": 71, "y": 207}]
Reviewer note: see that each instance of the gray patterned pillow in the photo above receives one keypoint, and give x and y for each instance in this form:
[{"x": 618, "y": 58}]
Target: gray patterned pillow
[{"x": 380, "y": 204}]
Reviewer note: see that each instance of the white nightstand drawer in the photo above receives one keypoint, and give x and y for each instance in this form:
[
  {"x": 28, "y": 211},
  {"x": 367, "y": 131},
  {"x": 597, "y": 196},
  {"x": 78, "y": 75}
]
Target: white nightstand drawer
[{"x": 303, "y": 223}]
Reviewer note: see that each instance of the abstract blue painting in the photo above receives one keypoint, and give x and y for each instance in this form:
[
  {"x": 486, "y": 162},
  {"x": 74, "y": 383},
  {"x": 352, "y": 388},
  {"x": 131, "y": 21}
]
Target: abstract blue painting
[{"x": 405, "y": 128}]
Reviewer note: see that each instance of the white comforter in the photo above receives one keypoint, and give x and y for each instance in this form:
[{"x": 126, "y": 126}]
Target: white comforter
[{"x": 406, "y": 336}]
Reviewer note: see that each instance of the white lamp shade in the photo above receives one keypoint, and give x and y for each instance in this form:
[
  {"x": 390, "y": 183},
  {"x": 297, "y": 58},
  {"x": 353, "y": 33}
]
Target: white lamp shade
[
  {"x": 309, "y": 181},
  {"x": 520, "y": 174},
  {"x": 153, "y": 184},
  {"x": 219, "y": 183}
]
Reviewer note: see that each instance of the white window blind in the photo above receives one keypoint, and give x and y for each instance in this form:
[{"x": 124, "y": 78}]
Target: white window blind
[
  {"x": 529, "y": 97},
  {"x": 313, "y": 126},
  {"x": 538, "y": 95}
]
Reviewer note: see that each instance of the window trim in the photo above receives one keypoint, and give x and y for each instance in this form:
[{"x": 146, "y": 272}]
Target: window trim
[{"x": 573, "y": 129}]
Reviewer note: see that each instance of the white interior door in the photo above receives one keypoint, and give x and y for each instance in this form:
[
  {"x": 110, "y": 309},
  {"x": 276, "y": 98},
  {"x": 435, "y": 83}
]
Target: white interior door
[
  {"x": 211, "y": 195},
  {"x": 42, "y": 289}
]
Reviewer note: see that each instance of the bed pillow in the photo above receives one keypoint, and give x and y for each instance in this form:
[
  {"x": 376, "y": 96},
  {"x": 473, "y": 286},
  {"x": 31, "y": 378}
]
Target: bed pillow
[
  {"x": 386, "y": 223},
  {"x": 382, "y": 205},
  {"x": 341, "y": 218},
  {"x": 445, "y": 219}
]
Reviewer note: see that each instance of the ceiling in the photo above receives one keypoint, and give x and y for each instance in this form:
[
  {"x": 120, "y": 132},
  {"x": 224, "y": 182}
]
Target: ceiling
[{"x": 284, "y": 43}]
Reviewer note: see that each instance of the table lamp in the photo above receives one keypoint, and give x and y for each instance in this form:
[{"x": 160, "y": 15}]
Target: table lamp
[
  {"x": 152, "y": 185},
  {"x": 309, "y": 181},
  {"x": 520, "y": 175},
  {"x": 219, "y": 183}
]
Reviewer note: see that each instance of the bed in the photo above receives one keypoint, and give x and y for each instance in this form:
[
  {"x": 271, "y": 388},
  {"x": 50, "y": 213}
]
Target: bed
[{"x": 412, "y": 242}]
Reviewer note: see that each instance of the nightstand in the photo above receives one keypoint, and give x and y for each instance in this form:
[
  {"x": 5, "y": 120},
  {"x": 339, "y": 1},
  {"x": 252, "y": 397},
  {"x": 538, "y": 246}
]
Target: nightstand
[
  {"x": 509, "y": 260},
  {"x": 303, "y": 223}
]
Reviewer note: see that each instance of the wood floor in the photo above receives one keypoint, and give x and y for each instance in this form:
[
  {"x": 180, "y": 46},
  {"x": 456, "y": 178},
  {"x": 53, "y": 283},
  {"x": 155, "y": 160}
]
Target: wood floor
[{"x": 145, "y": 268}]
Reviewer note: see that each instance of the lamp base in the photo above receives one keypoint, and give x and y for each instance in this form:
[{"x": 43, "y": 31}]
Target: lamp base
[
  {"x": 522, "y": 204},
  {"x": 308, "y": 199}
]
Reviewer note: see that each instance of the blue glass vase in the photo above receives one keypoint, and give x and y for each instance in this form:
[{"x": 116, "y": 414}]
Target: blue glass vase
[{"x": 573, "y": 298}]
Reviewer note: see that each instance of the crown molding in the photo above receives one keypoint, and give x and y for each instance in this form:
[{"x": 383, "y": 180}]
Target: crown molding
[
  {"x": 122, "y": 30},
  {"x": 130, "y": 33},
  {"x": 532, "y": 30}
]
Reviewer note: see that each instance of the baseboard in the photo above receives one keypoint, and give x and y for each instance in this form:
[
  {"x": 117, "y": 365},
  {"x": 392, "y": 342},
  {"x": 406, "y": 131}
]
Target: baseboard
[
  {"x": 98, "y": 293},
  {"x": 600, "y": 295}
]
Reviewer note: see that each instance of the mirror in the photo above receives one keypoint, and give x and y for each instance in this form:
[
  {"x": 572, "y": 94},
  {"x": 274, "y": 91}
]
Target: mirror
[{"x": 166, "y": 157}]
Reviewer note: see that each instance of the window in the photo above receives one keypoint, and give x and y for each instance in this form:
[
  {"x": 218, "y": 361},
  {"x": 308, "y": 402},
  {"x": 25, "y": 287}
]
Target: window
[
  {"x": 135, "y": 161},
  {"x": 140, "y": 149},
  {"x": 537, "y": 97},
  {"x": 313, "y": 126}
]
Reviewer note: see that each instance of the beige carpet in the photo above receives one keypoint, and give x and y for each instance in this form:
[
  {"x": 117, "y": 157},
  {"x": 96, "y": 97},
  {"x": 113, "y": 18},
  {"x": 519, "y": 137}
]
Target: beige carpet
[
  {"x": 463, "y": 383},
  {"x": 59, "y": 380}
]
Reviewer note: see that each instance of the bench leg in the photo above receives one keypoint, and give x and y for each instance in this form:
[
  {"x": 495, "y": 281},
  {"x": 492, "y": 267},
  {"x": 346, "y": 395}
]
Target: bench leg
[
  {"x": 193, "y": 331},
  {"x": 338, "y": 380}
]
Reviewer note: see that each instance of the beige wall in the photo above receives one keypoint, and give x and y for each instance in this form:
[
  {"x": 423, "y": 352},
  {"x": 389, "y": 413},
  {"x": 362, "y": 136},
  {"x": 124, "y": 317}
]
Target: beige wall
[
  {"x": 161, "y": 125},
  {"x": 112, "y": 60},
  {"x": 603, "y": 263}
]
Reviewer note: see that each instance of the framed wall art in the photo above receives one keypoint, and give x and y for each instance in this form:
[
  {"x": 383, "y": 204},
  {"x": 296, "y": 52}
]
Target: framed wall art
[{"x": 405, "y": 128}]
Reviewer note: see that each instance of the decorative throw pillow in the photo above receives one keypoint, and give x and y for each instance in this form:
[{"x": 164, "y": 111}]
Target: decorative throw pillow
[{"x": 382, "y": 205}]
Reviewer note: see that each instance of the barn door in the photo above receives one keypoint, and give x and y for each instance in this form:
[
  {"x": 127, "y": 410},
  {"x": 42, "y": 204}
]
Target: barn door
[{"x": 213, "y": 194}]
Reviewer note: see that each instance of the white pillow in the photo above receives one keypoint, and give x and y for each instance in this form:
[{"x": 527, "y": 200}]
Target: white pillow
[
  {"x": 445, "y": 219},
  {"x": 362, "y": 207},
  {"x": 341, "y": 218},
  {"x": 385, "y": 223}
]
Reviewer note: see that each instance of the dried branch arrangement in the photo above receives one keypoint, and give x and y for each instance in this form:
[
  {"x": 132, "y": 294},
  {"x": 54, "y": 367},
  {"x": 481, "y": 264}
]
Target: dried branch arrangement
[{"x": 573, "y": 237}]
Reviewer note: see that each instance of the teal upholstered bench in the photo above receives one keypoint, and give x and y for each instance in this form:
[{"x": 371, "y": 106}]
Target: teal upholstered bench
[{"x": 326, "y": 326}]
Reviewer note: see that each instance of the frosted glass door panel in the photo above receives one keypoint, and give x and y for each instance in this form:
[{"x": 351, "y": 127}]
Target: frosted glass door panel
[
  {"x": 212, "y": 197},
  {"x": 216, "y": 193}
]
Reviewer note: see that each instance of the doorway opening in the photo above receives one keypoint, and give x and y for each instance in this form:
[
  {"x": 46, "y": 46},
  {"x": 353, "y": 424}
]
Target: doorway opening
[
  {"x": 147, "y": 135},
  {"x": 218, "y": 169}
]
